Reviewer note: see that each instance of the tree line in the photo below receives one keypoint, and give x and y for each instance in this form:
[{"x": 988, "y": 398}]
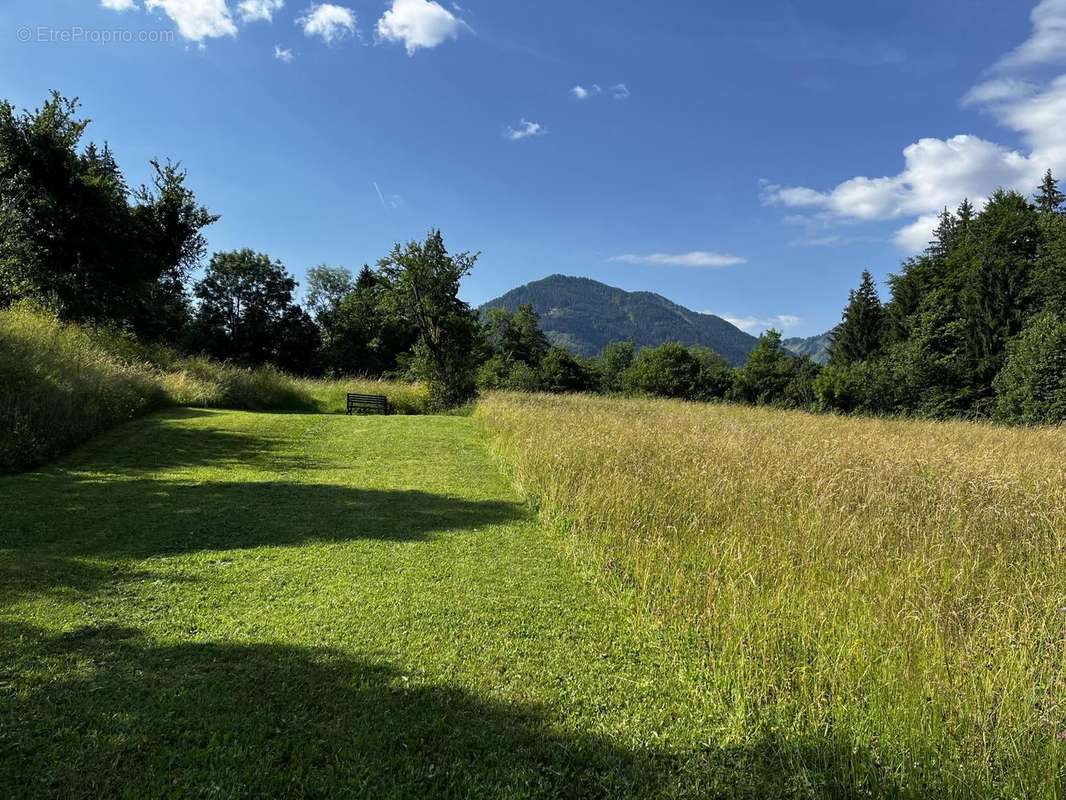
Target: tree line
[{"x": 975, "y": 326}]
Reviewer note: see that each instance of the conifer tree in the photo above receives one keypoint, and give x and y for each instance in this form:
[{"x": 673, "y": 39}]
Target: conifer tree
[
  {"x": 859, "y": 334},
  {"x": 945, "y": 235},
  {"x": 1048, "y": 197},
  {"x": 964, "y": 218}
]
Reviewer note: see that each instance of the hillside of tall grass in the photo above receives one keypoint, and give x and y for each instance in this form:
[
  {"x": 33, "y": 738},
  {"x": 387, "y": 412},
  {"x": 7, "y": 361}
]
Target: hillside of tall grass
[
  {"x": 885, "y": 598},
  {"x": 61, "y": 384}
]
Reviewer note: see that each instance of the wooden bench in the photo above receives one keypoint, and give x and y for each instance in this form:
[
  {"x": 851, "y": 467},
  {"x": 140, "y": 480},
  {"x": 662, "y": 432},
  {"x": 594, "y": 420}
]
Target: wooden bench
[{"x": 368, "y": 404}]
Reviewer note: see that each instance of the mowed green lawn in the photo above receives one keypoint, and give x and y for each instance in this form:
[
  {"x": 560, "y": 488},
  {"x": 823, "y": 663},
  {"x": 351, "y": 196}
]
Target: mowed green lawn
[{"x": 234, "y": 604}]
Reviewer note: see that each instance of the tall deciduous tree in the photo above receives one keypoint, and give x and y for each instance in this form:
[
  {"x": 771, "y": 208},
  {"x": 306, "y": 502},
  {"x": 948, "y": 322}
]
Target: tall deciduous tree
[
  {"x": 424, "y": 286},
  {"x": 246, "y": 313}
]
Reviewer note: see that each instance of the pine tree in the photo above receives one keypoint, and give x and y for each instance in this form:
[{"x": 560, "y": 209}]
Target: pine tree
[
  {"x": 1048, "y": 197},
  {"x": 964, "y": 218},
  {"x": 945, "y": 235},
  {"x": 859, "y": 334}
]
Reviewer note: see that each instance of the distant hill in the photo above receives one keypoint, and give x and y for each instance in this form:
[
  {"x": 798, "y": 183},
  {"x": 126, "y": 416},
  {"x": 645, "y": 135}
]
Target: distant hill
[
  {"x": 817, "y": 347},
  {"x": 584, "y": 316}
]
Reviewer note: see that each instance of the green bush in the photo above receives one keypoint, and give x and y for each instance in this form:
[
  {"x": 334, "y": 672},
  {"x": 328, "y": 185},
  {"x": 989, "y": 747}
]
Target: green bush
[
  {"x": 1031, "y": 388},
  {"x": 668, "y": 370}
]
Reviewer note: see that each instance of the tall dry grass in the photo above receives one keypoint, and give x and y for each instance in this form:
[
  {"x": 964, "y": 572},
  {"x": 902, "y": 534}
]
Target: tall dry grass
[
  {"x": 61, "y": 384},
  {"x": 883, "y": 599}
]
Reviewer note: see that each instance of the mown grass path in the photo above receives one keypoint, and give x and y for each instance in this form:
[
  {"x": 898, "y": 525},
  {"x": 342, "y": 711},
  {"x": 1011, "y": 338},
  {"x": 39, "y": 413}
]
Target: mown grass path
[{"x": 233, "y": 604}]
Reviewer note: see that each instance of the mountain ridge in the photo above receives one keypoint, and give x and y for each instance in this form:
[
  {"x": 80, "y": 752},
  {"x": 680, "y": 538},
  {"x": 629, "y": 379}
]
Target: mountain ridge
[{"x": 584, "y": 315}]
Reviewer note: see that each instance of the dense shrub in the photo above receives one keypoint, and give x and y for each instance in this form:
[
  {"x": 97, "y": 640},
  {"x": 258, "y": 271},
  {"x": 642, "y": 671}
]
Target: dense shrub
[
  {"x": 560, "y": 372},
  {"x": 669, "y": 370}
]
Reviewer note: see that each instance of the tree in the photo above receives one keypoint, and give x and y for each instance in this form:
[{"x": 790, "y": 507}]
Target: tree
[
  {"x": 1031, "y": 388},
  {"x": 945, "y": 235},
  {"x": 364, "y": 333},
  {"x": 560, "y": 373},
  {"x": 612, "y": 363},
  {"x": 1048, "y": 198},
  {"x": 246, "y": 313},
  {"x": 424, "y": 287},
  {"x": 991, "y": 275},
  {"x": 668, "y": 370},
  {"x": 715, "y": 379},
  {"x": 77, "y": 240},
  {"x": 859, "y": 334},
  {"x": 326, "y": 287},
  {"x": 773, "y": 376},
  {"x": 516, "y": 336}
]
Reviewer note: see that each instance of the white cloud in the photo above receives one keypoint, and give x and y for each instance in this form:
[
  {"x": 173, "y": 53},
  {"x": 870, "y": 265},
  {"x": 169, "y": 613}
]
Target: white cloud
[
  {"x": 581, "y": 93},
  {"x": 998, "y": 90},
  {"x": 283, "y": 55},
  {"x": 329, "y": 22},
  {"x": 119, "y": 5},
  {"x": 259, "y": 10},
  {"x": 419, "y": 24},
  {"x": 525, "y": 130},
  {"x": 1046, "y": 44},
  {"x": 781, "y": 322},
  {"x": 697, "y": 258},
  {"x": 942, "y": 172},
  {"x": 620, "y": 91},
  {"x": 197, "y": 19}
]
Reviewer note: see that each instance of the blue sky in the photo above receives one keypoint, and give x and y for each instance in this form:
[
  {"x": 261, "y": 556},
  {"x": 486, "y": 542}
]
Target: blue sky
[{"x": 715, "y": 152}]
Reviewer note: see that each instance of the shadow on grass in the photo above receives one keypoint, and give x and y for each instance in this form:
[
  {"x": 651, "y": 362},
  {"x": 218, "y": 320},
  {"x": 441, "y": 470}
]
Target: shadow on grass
[
  {"x": 50, "y": 537},
  {"x": 104, "y": 712}
]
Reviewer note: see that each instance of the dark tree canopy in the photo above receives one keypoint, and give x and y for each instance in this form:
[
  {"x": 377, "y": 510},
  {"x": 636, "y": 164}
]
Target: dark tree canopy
[
  {"x": 76, "y": 239},
  {"x": 246, "y": 313}
]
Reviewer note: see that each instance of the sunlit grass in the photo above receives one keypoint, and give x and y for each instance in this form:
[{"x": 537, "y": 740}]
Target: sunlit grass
[
  {"x": 896, "y": 586},
  {"x": 61, "y": 384}
]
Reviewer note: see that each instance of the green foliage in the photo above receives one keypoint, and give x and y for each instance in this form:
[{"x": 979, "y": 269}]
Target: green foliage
[
  {"x": 76, "y": 239},
  {"x": 669, "y": 370},
  {"x": 499, "y": 372},
  {"x": 424, "y": 288},
  {"x": 610, "y": 365},
  {"x": 860, "y": 334},
  {"x": 246, "y": 314},
  {"x": 1031, "y": 389},
  {"x": 774, "y": 376},
  {"x": 560, "y": 372},
  {"x": 1048, "y": 198},
  {"x": 673, "y": 370},
  {"x": 363, "y": 333},
  {"x": 954, "y": 313}
]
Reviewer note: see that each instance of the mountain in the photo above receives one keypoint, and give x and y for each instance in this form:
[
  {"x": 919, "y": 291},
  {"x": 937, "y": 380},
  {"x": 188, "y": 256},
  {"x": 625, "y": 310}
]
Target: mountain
[
  {"x": 584, "y": 315},
  {"x": 817, "y": 347}
]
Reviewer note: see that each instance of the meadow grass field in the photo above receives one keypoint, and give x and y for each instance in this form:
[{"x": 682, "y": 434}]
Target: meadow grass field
[
  {"x": 897, "y": 588},
  {"x": 711, "y": 602}
]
